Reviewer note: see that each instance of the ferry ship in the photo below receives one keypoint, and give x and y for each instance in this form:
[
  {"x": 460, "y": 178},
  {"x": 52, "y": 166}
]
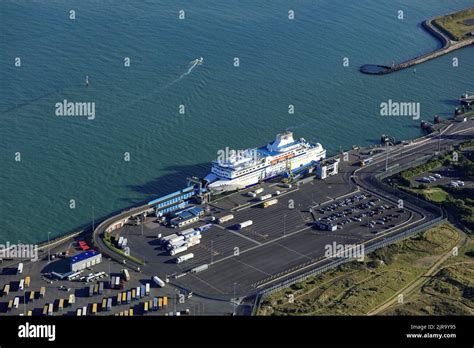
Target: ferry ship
[{"x": 249, "y": 167}]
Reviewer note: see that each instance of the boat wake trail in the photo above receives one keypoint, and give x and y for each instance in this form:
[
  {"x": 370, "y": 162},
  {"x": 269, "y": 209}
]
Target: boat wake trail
[{"x": 193, "y": 64}]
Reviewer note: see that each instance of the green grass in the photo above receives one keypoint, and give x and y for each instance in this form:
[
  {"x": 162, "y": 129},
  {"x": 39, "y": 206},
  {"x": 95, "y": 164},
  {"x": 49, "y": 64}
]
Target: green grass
[
  {"x": 455, "y": 23},
  {"x": 110, "y": 245},
  {"x": 435, "y": 194},
  {"x": 355, "y": 288}
]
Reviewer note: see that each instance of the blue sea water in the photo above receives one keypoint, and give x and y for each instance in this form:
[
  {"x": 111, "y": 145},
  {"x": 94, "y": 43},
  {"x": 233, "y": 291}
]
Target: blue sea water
[{"x": 282, "y": 62}]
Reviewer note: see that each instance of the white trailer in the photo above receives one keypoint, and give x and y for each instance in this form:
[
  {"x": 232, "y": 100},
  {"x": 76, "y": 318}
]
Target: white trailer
[
  {"x": 258, "y": 191},
  {"x": 158, "y": 281},
  {"x": 16, "y": 302},
  {"x": 264, "y": 197},
  {"x": 244, "y": 224},
  {"x": 178, "y": 250},
  {"x": 176, "y": 240},
  {"x": 20, "y": 268},
  {"x": 167, "y": 238},
  {"x": 225, "y": 218},
  {"x": 147, "y": 289},
  {"x": 21, "y": 286},
  {"x": 184, "y": 258}
]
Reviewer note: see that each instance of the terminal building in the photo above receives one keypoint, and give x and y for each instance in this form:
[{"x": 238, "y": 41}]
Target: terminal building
[
  {"x": 84, "y": 260},
  {"x": 186, "y": 217},
  {"x": 327, "y": 168}
]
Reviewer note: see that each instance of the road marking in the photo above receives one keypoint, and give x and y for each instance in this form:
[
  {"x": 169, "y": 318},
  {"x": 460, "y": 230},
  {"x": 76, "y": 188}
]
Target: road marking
[{"x": 240, "y": 235}]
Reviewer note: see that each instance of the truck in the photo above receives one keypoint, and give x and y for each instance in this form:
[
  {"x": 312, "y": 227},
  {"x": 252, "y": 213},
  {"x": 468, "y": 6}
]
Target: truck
[
  {"x": 32, "y": 296},
  {"x": 91, "y": 290},
  {"x": 126, "y": 275},
  {"x": 124, "y": 297},
  {"x": 120, "y": 242},
  {"x": 225, "y": 218},
  {"x": 244, "y": 224},
  {"x": 6, "y": 289},
  {"x": 61, "y": 304},
  {"x": 119, "y": 299},
  {"x": 117, "y": 282},
  {"x": 145, "y": 307},
  {"x": 158, "y": 281},
  {"x": 134, "y": 294},
  {"x": 96, "y": 289},
  {"x": 20, "y": 268},
  {"x": 193, "y": 242},
  {"x": 138, "y": 291},
  {"x": 191, "y": 234},
  {"x": 155, "y": 303},
  {"x": 364, "y": 162},
  {"x": 112, "y": 283},
  {"x": 79, "y": 312},
  {"x": 72, "y": 299},
  {"x": 269, "y": 203},
  {"x": 178, "y": 250},
  {"x": 165, "y": 301},
  {"x": 160, "y": 303},
  {"x": 103, "y": 308},
  {"x": 42, "y": 291},
  {"x": 129, "y": 297},
  {"x": 45, "y": 309},
  {"x": 265, "y": 197},
  {"x": 176, "y": 239},
  {"x": 94, "y": 308},
  {"x": 142, "y": 291},
  {"x": 109, "y": 304},
  {"x": 84, "y": 310},
  {"x": 50, "y": 309},
  {"x": 16, "y": 302},
  {"x": 147, "y": 289},
  {"x": 164, "y": 240},
  {"x": 258, "y": 191},
  {"x": 184, "y": 258},
  {"x": 27, "y": 281},
  {"x": 101, "y": 288},
  {"x": 252, "y": 194}
]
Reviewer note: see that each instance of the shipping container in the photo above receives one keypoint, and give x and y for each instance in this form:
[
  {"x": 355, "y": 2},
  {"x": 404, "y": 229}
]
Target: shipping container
[
  {"x": 150, "y": 304},
  {"x": 50, "y": 309},
  {"x": 61, "y": 304},
  {"x": 165, "y": 301},
  {"x": 45, "y": 309},
  {"x": 269, "y": 203},
  {"x": 96, "y": 289},
  {"x": 109, "y": 304},
  {"x": 20, "y": 268},
  {"x": 32, "y": 295},
  {"x": 30, "y": 313},
  {"x": 126, "y": 275},
  {"x": 79, "y": 312},
  {"x": 145, "y": 307},
  {"x": 155, "y": 303},
  {"x": 147, "y": 289},
  {"x": 84, "y": 310},
  {"x": 118, "y": 281},
  {"x": 101, "y": 288},
  {"x": 72, "y": 299},
  {"x": 94, "y": 308},
  {"x": 119, "y": 299},
  {"x": 104, "y": 305},
  {"x": 184, "y": 258},
  {"x": 130, "y": 312},
  {"x": 138, "y": 291},
  {"x": 129, "y": 297},
  {"x": 91, "y": 290},
  {"x": 134, "y": 294},
  {"x": 160, "y": 303},
  {"x": 6, "y": 289},
  {"x": 158, "y": 281},
  {"x": 124, "y": 297},
  {"x": 112, "y": 283},
  {"x": 244, "y": 224},
  {"x": 42, "y": 291},
  {"x": 226, "y": 218},
  {"x": 142, "y": 291},
  {"x": 125, "y": 313},
  {"x": 27, "y": 281}
]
